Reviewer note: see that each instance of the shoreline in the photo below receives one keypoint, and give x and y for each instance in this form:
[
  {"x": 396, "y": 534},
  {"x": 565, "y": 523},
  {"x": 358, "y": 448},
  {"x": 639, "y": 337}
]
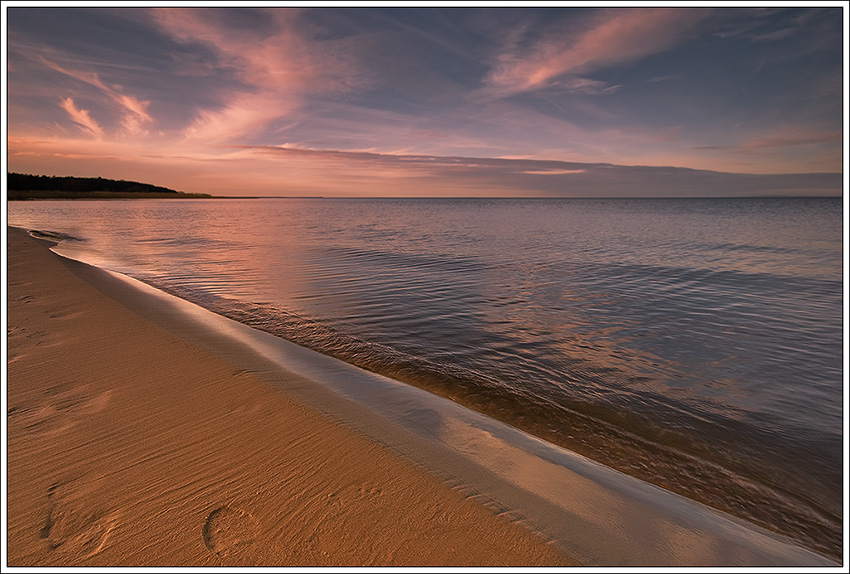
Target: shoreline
[
  {"x": 626, "y": 522},
  {"x": 129, "y": 446}
]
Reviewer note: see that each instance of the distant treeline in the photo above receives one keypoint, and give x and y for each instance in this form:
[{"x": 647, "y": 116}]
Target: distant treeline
[
  {"x": 25, "y": 186},
  {"x": 25, "y": 182}
]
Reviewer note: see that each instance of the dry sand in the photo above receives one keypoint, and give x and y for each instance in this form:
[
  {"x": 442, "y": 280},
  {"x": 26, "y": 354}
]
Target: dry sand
[{"x": 128, "y": 446}]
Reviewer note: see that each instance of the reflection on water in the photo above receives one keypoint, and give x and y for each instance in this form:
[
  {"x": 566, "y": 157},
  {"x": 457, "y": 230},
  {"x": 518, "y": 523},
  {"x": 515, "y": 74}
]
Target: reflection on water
[{"x": 694, "y": 343}]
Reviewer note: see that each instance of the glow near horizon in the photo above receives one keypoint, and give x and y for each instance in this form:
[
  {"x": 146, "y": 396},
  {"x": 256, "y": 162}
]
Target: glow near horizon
[{"x": 449, "y": 101}]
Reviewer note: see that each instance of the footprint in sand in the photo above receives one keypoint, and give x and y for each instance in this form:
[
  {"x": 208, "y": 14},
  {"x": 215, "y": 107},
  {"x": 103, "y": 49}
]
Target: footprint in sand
[
  {"x": 37, "y": 338},
  {"x": 61, "y": 408},
  {"x": 76, "y": 523},
  {"x": 21, "y": 340},
  {"x": 77, "y": 399},
  {"x": 230, "y": 533},
  {"x": 61, "y": 313}
]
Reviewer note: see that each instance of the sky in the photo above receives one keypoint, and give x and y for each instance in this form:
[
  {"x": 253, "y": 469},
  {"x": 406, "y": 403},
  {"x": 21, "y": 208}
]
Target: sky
[{"x": 395, "y": 100}]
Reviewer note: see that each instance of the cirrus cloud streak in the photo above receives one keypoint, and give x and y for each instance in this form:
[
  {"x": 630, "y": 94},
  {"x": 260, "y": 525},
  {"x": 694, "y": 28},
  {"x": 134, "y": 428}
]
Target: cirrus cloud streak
[{"x": 616, "y": 37}]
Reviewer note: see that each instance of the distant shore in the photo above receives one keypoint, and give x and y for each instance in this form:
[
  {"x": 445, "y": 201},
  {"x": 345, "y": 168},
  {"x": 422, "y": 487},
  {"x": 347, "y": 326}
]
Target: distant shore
[
  {"x": 23, "y": 186},
  {"x": 128, "y": 446},
  {"x": 36, "y": 195}
]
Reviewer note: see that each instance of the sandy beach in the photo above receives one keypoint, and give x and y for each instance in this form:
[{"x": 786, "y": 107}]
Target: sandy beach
[{"x": 129, "y": 446}]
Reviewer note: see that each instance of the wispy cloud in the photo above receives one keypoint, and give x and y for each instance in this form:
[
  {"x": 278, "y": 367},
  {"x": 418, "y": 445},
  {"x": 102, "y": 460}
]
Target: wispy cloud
[
  {"x": 134, "y": 111},
  {"x": 82, "y": 75},
  {"x": 554, "y": 171},
  {"x": 657, "y": 79},
  {"x": 503, "y": 176},
  {"x": 135, "y": 114},
  {"x": 784, "y": 138},
  {"x": 82, "y": 118},
  {"x": 243, "y": 115},
  {"x": 790, "y": 139},
  {"x": 773, "y": 36},
  {"x": 278, "y": 67},
  {"x": 585, "y": 86},
  {"x": 618, "y": 37},
  {"x": 760, "y": 28},
  {"x": 134, "y": 106},
  {"x": 426, "y": 163}
]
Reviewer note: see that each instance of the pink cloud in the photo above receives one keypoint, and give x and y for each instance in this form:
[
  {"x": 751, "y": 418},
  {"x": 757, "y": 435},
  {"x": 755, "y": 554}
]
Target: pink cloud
[
  {"x": 82, "y": 118},
  {"x": 242, "y": 116},
  {"x": 554, "y": 171},
  {"x": 134, "y": 111},
  {"x": 792, "y": 148},
  {"x": 622, "y": 36},
  {"x": 789, "y": 138},
  {"x": 135, "y": 106},
  {"x": 87, "y": 77},
  {"x": 279, "y": 70}
]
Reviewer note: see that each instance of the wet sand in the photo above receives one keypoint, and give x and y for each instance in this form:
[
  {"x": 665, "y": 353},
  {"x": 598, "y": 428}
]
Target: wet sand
[{"x": 130, "y": 446}]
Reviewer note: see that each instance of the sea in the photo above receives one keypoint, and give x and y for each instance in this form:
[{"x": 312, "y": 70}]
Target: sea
[{"x": 696, "y": 344}]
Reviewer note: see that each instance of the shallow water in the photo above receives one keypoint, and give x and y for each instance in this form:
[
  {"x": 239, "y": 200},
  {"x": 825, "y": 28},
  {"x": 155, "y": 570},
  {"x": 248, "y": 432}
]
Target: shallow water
[{"x": 694, "y": 343}]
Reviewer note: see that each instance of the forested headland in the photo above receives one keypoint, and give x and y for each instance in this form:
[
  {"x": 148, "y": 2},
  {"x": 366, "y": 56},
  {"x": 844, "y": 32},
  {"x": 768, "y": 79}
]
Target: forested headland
[{"x": 25, "y": 186}]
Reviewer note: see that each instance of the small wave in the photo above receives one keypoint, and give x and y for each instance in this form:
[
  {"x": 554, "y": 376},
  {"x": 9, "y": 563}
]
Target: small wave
[{"x": 53, "y": 235}]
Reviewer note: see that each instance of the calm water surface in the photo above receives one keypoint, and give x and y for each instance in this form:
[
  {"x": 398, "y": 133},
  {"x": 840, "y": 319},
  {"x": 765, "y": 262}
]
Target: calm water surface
[{"x": 695, "y": 343}]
